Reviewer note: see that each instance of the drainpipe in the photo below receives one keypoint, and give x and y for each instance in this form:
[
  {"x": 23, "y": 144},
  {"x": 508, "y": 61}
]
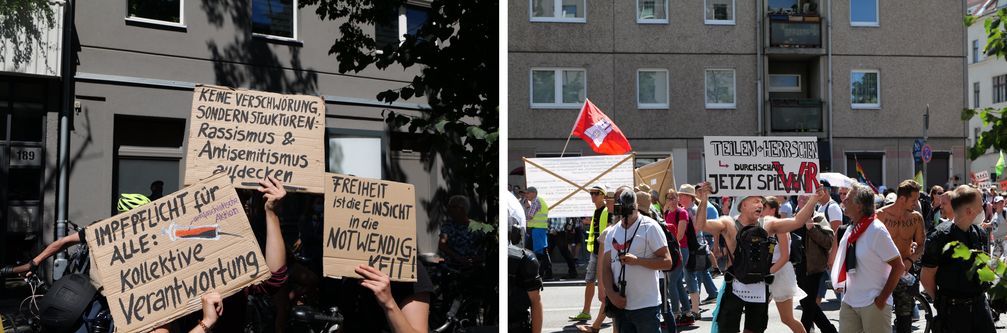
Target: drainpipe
[
  {"x": 828, "y": 35},
  {"x": 966, "y": 163},
  {"x": 68, "y": 70},
  {"x": 759, "y": 63}
]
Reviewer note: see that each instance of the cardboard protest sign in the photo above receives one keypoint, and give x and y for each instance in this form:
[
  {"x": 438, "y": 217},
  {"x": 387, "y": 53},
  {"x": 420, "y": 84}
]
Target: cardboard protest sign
[
  {"x": 660, "y": 176},
  {"x": 370, "y": 222},
  {"x": 156, "y": 261},
  {"x": 563, "y": 182},
  {"x": 250, "y": 135},
  {"x": 764, "y": 165},
  {"x": 982, "y": 180}
]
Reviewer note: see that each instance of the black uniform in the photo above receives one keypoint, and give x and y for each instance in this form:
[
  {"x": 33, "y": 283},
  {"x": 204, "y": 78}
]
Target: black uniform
[
  {"x": 961, "y": 302},
  {"x": 522, "y": 277}
]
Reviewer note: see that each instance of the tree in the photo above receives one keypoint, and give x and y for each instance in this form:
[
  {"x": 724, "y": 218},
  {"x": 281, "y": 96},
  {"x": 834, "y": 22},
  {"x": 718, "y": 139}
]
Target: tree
[
  {"x": 23, "y": 24},
  {"x": 996, "y": 136},
  {"x": 456, "y": 49}
]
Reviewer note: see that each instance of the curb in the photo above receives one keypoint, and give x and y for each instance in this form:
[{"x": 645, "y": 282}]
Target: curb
[{"x": 564, "y": 283}]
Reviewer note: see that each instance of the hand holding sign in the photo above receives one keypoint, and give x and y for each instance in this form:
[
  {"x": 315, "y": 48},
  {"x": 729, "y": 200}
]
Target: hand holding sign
[
  {"x": 379, "y": 283},
  {"x": 213, "y": 308},
  {"x": 273, "y": 191}
]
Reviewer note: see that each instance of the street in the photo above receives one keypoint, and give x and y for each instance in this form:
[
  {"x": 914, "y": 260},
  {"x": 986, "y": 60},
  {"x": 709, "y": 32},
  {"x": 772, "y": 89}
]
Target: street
[{"x": 563, "y": 300}]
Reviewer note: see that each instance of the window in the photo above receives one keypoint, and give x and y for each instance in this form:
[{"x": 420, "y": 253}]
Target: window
[
  {"x": 784, "y": 83},
  {"x": 975, "y": 51},
  {"x": 356, "y": 152},
  {"x": 720, "y": 12},
  {"x": 652, "y": 89},
  {"x": 275, "y": 18},
  {"x": 407, "y": 20},
  {"x": 864, "y": 13},
  {"x": 999, "y": 88},
  {"x": 558, "y": 88},
  {"x": 720, "y": 89},
  {"x": 155, "y": 10},
  {"x": 975, "y": 94},
  {"x": 558, "y": 10},
  {"x": 652, "y": 11},
  {"x": 872, "y": 162},
  {"x": 865, "y": 88},
  {"x": 148, "y": 155}
]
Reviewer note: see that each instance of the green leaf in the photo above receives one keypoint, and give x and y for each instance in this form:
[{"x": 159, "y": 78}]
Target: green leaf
[
  {"x": 961, "y": 252},
  {"x": 969, "y": 19},
  {"x": 986, "y": 275},
  {"x": 476, "y": 132},
  {"x": 949, "y": 245},
  {"x": 440, "y": 125},
  {"x": 1001, "y": 267},
  {"x": 967, "y": 114}
]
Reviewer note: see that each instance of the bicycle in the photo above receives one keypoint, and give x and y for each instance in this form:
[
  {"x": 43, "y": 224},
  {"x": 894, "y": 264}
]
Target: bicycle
[
  {"x": 307, "y": 319},
  {"x": 925, "y": 302},
  {"x": 455, "y": 296},
  {"x": 98, "y": 318}
]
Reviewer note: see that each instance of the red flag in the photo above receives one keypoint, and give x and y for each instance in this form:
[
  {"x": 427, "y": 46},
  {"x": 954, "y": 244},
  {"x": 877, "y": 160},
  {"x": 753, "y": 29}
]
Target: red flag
[{"x": 600, "y": 132}]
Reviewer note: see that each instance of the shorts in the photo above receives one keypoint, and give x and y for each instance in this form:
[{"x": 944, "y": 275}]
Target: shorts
[
  {"x": 731, "y": 307},
  {"x": 592, "y": 269},
  {"x": 539, "y": 240}
]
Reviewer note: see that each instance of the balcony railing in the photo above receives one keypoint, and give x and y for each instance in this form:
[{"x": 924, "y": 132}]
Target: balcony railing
[
  {"x": 795, "y": 31},
  {"x": 795, "y": 115}
]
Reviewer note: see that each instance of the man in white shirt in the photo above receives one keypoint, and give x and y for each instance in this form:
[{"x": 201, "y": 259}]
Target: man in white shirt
[
  {"x": 999, "y": 226},
  {"x": 868, "y": 265},
  {"x": 637, "y": 252}
]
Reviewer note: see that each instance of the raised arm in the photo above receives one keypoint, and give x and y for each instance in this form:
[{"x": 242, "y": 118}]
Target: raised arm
[
  {"x": 776, "y": 226},
  {"x": 276, "y": 253}
]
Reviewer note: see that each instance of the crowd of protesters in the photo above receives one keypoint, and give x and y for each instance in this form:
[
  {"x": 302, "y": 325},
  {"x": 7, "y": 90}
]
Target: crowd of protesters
[{"x": 648, "y": 257}]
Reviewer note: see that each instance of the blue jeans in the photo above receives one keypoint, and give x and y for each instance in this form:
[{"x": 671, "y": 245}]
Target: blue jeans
[
  {"x": 693, "y": 279},
  {"x": 646, "y": 320},
  {"x": 677, "y": 293}
]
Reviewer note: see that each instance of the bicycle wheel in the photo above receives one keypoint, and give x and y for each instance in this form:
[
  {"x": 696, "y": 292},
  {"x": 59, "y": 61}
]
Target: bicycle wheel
[{"x": 928, "y": 311}]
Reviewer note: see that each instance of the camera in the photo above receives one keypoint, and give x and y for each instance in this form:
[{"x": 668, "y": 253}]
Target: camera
[{"x": 624, "y": 204}]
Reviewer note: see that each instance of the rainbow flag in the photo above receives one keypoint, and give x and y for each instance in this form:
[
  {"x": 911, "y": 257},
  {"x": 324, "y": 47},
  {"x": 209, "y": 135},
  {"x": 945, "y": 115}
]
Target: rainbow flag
[{"x": 863, "y": 176}]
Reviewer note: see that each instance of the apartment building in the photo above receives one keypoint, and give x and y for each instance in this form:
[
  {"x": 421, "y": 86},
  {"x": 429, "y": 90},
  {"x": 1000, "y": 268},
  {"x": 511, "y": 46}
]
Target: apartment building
[
  {"x": 987, "y": 78},
  {"x": 857, "y": 74},
  {"x": 136, "y": 65}
]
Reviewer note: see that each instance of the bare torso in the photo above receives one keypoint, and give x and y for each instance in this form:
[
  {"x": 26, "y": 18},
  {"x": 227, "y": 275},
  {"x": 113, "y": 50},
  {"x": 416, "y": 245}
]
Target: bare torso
[{"x": 905, "y": 227}]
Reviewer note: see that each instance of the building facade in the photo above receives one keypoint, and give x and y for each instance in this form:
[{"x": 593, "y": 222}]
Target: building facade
[
  {"x": 987, "y": 78},
  {"x": 669, "y": 73},
  {"x": 136, "y": 65}
]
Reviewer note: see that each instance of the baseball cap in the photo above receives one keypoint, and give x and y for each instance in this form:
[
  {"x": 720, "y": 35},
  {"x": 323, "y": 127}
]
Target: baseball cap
[{"x": 998, "y": 199}]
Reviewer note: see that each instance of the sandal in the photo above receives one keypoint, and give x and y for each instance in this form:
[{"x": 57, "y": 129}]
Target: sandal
[{"x": 587, "y": 328}]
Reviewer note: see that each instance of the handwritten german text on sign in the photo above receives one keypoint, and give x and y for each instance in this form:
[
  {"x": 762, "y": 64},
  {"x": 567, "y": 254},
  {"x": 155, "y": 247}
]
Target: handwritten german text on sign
[
  {"x": 250, "y": 135},
  {"x": 741, "y": 166},
  {"x": 564, "y": 181},
  {"x": 156, "y": 261},
  {"x": 370, "y": 222}
]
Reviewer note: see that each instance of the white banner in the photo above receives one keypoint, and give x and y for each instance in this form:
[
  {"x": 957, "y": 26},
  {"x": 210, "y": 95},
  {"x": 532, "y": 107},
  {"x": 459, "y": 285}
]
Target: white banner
[
  {"x": 563, "y": 182},
  {"x": 761, "y": 165}
]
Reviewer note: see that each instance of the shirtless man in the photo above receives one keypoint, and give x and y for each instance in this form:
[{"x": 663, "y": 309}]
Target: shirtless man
[
  {"x": 907, "y": 230},
  {"x": 728, "y": 316}
]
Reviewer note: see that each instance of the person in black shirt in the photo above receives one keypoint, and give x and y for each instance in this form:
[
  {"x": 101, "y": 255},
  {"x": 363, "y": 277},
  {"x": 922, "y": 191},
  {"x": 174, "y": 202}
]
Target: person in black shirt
[
  {"x": 524, "y": 282},
  {"x": 960, "y": 301}
]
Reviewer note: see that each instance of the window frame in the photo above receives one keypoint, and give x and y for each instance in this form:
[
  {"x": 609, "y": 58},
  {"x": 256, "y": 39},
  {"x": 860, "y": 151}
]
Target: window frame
[
  {"x": 772, "y": 88},
  {"x": 975, "y": 51},
  {"x": 734, "y": 88},
  {"x": 865, "y": 106},
  {"x": 667, "y": 85},
  {"x": 732, "y": 21},
  {"x": 341, "y": 132},
  {"x": 999, "y": 90},
  {"x": 975, "y": 94},
  {"x": 652, "y": 21},
  {"x": 557, "y": 11},
  {"x": 869, "y": 24},
  {"x": 144, "y": 20},
  {"x": 558, "y": 88},
  {"x": 295, "y": 31}
]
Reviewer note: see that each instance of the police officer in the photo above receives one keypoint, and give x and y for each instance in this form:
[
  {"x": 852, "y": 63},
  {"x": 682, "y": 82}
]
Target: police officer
[
  {"x": 960, "y": 301},
  {"x": 524, "y": 282}
]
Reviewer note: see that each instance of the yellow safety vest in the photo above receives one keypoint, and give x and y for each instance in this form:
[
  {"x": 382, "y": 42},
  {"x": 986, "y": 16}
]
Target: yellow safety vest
[
  {"x": 601, "y": 225},
  {"x": 541, "y": 218}
]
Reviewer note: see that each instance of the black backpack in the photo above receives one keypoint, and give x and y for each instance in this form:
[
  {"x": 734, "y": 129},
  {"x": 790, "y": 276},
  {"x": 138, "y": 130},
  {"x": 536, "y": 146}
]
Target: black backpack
[
  {"x": 752, "y": 255},
  {"x": 673, "y": 248},
  {"x": 796, "y": 248}
]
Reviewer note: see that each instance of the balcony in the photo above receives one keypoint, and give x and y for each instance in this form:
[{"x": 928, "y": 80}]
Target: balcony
[
  {"x": 795, "y": 35},
  {"x": 795, "y": 115}
]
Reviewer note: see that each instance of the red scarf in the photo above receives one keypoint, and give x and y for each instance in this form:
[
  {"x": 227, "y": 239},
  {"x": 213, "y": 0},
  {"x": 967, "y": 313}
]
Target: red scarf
[{"x": 858, "y": 230}]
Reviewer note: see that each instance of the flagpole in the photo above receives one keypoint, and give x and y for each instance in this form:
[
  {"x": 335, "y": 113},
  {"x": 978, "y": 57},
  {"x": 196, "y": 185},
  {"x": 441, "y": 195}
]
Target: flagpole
[{"x": 579, "y": 114}]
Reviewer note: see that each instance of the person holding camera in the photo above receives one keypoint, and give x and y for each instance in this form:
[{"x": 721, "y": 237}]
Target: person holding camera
[{"x": 637, "y": 252}]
